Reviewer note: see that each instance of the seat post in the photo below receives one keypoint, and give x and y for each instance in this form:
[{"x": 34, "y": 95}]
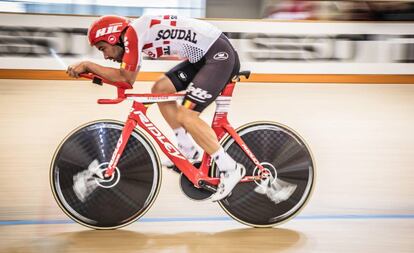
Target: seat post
[{"x": 228, "y": 89}]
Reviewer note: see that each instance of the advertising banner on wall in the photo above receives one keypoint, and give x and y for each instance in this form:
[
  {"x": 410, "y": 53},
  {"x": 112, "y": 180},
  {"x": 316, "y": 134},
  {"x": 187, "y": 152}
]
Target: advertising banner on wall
[{"x": 51, "y": 42}]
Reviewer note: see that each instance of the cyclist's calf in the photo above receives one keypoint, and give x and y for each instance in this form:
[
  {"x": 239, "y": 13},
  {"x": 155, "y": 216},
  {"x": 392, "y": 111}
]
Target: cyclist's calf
[
  {"x": 186, "y": 116},
  {"x": 201, "y": 132}
]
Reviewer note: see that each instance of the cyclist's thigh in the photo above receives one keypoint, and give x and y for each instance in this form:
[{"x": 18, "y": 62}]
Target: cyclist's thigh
[
  {"x": 164, "y": 85},
  {"x": 221, "y": 63}
]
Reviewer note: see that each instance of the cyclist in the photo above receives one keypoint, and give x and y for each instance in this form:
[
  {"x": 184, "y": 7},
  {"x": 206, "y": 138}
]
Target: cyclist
[{"x": 210, "y": 63}]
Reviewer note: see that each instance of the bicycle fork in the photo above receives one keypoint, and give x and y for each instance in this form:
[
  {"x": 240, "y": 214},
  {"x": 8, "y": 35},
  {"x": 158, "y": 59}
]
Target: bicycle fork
[{"x": 120, "y": 146}]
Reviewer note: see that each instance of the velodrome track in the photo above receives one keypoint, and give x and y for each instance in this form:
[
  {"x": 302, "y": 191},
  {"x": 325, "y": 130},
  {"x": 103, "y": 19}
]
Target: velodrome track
[{"x": 361, "y": 136}]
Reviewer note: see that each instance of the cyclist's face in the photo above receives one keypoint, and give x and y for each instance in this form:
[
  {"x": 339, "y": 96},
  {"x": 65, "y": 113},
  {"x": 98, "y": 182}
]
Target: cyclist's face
[{"x": 114, "y": 53}]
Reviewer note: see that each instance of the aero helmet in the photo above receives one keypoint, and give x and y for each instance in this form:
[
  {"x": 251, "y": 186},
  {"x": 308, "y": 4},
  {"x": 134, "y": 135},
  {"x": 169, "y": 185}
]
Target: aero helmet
[{"x": 108, "y": 29}]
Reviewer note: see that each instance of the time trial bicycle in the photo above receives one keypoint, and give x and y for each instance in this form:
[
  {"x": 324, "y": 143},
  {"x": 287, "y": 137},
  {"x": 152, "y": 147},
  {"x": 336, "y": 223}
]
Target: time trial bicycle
[{"x": 107, "y": 174}]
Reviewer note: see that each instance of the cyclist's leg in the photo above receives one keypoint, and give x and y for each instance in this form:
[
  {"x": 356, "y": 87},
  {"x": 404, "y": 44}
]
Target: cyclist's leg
[
  {"x": 177, "y": 79},
  {"x": 221, "y": 63}
]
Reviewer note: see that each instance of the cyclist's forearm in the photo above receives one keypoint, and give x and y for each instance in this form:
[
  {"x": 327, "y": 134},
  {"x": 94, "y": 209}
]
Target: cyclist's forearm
[{"x": 111, "y": 74}]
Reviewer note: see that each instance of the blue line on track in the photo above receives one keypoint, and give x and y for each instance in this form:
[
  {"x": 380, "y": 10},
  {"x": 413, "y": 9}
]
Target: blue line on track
[{"x": 224, "y": 218}]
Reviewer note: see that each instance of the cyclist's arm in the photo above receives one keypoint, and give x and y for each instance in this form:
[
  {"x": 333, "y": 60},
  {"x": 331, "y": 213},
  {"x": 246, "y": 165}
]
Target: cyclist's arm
[{"x": 112, "y": 74}]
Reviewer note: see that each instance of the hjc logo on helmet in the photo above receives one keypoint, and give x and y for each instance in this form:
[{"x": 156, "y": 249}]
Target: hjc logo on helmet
[{"x": 108, "y": 30}]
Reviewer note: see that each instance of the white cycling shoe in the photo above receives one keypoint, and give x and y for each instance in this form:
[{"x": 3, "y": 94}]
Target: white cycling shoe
[{"x": 228, "y": 180}]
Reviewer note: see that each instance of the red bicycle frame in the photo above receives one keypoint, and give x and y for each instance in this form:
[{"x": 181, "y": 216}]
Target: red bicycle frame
[{"x": 137, "y": 116}]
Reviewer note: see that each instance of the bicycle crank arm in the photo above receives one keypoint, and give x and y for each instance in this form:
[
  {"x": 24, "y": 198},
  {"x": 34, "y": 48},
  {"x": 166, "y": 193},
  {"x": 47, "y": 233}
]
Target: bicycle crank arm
[
  {"x": 247, "y": 179},
  {"x": 206, "y": 186}
]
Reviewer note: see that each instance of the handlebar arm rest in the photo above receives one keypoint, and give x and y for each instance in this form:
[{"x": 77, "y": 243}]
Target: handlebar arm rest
[
  {"x": 99, "y": 80},
  {"x": 123, "y": 85}
]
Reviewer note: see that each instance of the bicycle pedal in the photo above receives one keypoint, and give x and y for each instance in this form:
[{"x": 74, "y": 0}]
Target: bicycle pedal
[{"x": 208, "y": 187}]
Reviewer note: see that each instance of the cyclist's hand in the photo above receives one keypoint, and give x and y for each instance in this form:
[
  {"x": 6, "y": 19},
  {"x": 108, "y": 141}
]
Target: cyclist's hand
[{"x": 78, "y": 68}]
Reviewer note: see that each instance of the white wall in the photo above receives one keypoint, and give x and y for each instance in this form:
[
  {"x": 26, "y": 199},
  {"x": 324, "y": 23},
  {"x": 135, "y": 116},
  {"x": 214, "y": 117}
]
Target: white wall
[{"x": 233, "y": 8}]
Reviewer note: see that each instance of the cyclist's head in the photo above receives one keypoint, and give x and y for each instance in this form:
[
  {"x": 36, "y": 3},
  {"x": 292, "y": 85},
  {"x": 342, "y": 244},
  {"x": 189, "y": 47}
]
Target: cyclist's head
[
  {"x": 105, "y": 33},
  {"x": 108, "y": 29}
]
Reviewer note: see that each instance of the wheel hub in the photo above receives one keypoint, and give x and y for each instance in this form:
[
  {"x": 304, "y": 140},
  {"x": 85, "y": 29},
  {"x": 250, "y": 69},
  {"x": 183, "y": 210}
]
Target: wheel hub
[
  {"x": 107, "y": 182},
  {"x": 269, "y": 170}
]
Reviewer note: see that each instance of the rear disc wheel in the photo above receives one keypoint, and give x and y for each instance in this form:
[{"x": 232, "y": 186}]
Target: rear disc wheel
[{"x": 289, "y": 165}]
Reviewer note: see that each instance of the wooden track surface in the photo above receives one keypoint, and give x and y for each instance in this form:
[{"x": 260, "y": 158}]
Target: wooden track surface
[{"x": 361, "y": 137}]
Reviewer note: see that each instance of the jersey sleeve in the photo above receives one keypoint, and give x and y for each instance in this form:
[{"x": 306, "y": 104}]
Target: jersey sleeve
[{"x": 133, "y": 50}]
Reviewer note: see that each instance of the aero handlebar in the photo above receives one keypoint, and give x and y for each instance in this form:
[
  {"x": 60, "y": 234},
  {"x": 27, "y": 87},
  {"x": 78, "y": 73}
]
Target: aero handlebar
[{"x": 121, "y": 87}]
